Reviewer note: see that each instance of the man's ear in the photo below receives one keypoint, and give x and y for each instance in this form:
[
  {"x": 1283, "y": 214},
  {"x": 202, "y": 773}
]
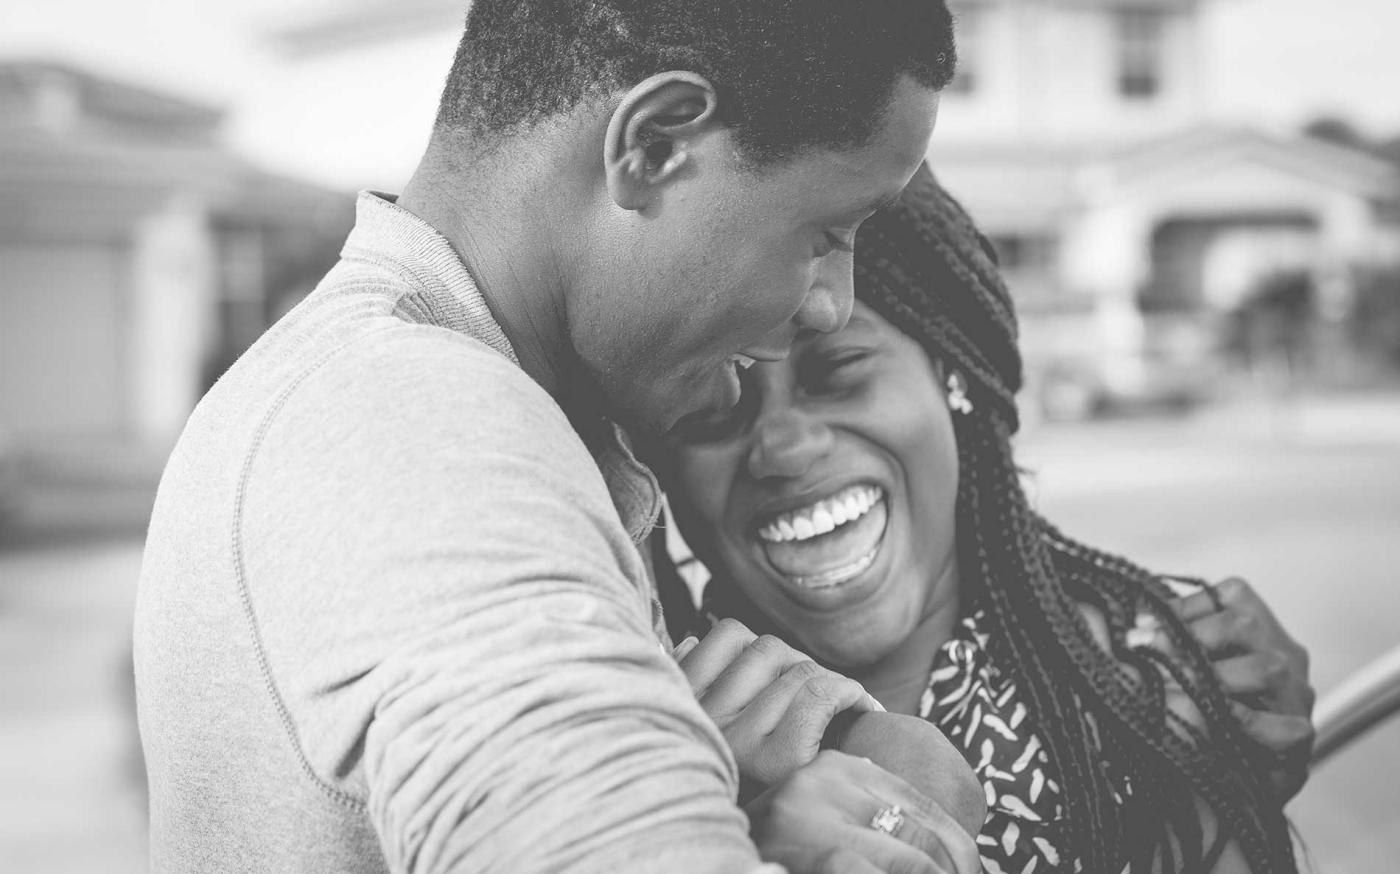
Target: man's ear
[{"x": 652, "y": 134}]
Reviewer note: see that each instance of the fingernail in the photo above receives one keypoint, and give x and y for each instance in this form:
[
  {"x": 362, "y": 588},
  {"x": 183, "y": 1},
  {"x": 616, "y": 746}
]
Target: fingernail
[
  {"x": 684, "y": 647},
  {"x": 874, "y": 703}
]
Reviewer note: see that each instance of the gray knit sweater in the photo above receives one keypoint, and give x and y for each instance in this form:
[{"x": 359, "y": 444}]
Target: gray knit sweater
[{"x": 390, "y": 617}]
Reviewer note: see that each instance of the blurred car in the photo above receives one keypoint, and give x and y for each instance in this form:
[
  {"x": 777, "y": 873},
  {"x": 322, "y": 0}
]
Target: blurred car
[
  {"x": 1079, "y": 364},
  {"x": 1363, "y": 701},
  {"x": 9, "y": 477}
]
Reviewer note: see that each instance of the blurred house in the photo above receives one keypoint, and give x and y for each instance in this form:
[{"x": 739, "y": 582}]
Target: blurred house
[
  {"x": 137, "y": 257},
  {"x": 1127, "y": 220}
]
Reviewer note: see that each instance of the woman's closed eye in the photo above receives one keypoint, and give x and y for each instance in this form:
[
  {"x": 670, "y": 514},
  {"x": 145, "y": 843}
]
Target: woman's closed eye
[{"x": 833, "y": 371}]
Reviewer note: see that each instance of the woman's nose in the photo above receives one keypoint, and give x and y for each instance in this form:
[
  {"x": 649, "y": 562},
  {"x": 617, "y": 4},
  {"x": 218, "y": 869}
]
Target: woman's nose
[{"x": 786, "y": 443}]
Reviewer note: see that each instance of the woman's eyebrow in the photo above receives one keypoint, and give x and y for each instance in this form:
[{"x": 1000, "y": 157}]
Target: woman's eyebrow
[{"x": 859, "y": 321}]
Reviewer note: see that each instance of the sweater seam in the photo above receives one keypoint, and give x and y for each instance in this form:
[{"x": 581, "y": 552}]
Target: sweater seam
[{"x": 339, "y": 796}]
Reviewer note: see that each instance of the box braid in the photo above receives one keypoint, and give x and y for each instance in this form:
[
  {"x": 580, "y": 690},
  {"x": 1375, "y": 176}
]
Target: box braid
[{"x": 924, "y": 267}]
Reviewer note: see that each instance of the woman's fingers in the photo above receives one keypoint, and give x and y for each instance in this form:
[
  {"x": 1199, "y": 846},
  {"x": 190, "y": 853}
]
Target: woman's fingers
[
  {"x": 838, "y": 861},
  {"x": 913, "y": 832},
  {"x": 1253, "y": 674},
  {"x": 894, "y": 855},
  {"x": 925, "y": 825},
  {"x": 1290, "y": 738},
  {"x": 1253, "y": 655},
  {"x": 1231, "y": 615},
  {"x": 1281, "y": 732},
  {"x": 928, "y": 827},
  {"x": 885, "y": 856},
  {"x": 831, "y": 803},
  {"x": 1196, "y": 605},
  {"x": 1232, "y": 630}
]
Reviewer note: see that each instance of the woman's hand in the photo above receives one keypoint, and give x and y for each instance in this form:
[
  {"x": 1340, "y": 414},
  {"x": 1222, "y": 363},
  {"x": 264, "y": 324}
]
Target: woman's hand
[
  {"x": 1263, "y": 670},
  {"x": 818, "y": 821},
  {"x": 771, "y": 702}
]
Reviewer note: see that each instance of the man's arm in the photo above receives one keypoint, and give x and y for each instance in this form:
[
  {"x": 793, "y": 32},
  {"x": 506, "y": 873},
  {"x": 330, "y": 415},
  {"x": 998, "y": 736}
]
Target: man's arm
[{"x": 451, "y": 613}]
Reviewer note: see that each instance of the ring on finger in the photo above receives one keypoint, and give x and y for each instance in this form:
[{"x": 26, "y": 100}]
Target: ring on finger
[{"x": 888, "y": 819}]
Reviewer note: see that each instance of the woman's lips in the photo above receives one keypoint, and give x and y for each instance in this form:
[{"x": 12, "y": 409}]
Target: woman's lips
[{"x": 833, "y": 558}]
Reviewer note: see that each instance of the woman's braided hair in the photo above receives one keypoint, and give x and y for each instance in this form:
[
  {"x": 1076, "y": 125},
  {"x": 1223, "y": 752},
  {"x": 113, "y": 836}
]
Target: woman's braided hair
[{"x": 925, "y": 268}]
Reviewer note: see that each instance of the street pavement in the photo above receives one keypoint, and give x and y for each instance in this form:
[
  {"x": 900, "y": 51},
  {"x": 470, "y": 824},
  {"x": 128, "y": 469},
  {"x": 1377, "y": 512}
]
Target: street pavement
[
  {"x": 70, "y": 800},
  {"x": 1302, "y": 501}
]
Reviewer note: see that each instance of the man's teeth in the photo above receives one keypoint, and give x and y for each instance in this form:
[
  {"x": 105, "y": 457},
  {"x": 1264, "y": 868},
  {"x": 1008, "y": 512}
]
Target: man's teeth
[
  {"x": 823, "y": 517},
  {"x": 743, "y": 362}
]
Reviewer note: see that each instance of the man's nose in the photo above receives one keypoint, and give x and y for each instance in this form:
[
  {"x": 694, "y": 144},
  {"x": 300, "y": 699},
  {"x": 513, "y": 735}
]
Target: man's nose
[
  {"x": 827, "y": 306},
  {"x": 786, "y": 444}
]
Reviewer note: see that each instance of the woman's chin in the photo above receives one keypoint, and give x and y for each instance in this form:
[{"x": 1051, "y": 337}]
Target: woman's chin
[{"x": 851, "y": 652}]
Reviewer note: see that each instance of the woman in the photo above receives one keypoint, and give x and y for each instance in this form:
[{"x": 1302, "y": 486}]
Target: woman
[{"x": 863, "y": 504}]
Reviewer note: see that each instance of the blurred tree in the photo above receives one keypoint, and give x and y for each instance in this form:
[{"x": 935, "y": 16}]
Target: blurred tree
[
  {"x": 1270, "y": 332},
  {"x": 1375, "y": 319},
  {"x": 1390, "y": 150},
  {"x": 1339, "y": 131},
  {"x": 1335, "y": 129}
]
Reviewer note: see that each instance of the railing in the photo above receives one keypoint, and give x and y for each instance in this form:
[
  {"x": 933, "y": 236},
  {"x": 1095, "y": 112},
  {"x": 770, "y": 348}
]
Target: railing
[{"x": 1364, "y": 700}]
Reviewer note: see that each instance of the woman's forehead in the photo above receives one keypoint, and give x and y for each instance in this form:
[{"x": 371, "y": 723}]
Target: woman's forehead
[{"x": 865, "y": 321}]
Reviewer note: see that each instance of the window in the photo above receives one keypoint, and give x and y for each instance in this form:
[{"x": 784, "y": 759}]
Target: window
[
  {"x": 1033, "y": 252},
  {"x": 1139, "y": 53},
  {"x": 1029, "y": 261},
  {"x": 967, "y": 29}
]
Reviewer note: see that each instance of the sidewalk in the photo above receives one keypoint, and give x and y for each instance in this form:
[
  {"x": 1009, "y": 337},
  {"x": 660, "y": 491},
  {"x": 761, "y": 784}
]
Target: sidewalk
[
  {"x": 1220, "y": 441},
  {"x": 72, "y": 801}
]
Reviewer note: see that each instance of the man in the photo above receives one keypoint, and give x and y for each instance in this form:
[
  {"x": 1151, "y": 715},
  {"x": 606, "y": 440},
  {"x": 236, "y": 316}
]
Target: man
[{"x": 392, "y": 615}]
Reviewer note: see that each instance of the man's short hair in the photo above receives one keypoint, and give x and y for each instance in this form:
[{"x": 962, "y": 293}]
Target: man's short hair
[{"x": 789, "y": 73}]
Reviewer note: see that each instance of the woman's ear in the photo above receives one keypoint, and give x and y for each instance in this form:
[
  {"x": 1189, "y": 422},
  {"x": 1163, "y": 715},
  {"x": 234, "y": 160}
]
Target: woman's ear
[{"x": 652, "y": 134}]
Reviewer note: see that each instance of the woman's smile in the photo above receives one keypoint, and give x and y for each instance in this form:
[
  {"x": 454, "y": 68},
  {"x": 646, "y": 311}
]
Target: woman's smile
[
  {"x": 827, "y": 497},
  {"x": 828, "y": 542}
]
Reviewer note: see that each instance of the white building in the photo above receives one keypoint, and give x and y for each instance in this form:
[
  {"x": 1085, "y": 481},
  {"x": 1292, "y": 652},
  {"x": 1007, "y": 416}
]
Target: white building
[
  {"x": 137, "y": 256},
  {"x": 1078, "y": 135}
]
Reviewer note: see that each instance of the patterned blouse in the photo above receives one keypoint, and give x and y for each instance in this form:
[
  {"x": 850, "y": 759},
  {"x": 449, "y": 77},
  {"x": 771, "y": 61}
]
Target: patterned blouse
[{"x": 978, "y": 708}]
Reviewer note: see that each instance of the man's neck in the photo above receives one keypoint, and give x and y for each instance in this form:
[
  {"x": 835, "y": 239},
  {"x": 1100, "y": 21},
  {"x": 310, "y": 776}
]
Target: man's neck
[{"x": 504, "y": 244}]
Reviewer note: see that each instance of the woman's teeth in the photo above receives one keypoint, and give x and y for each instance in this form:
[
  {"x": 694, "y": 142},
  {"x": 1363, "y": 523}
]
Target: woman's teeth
[
  {"x": 838, "y": 575},
  {"x": 823, "y": 517},
  {"x": 829, "y": 542}
]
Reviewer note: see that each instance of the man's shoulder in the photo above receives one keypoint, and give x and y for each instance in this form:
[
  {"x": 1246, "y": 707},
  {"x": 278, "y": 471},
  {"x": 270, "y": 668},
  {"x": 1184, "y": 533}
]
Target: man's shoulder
[
  {"x": 407, "y": 376},
  {"x": 405, "y": 399},
  {"x": 367, "y": 396}
]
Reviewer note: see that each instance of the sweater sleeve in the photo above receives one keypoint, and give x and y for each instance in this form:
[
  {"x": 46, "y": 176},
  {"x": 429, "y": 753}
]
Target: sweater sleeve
[{"x": 454, "y": 621}]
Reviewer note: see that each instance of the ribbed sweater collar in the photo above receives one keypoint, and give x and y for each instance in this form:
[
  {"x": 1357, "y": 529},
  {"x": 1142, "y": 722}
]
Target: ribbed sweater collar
[{"x": 389, "y": 234}]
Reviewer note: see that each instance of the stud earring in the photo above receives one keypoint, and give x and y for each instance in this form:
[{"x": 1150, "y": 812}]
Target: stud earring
[{"x": 957, "y": 394}]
